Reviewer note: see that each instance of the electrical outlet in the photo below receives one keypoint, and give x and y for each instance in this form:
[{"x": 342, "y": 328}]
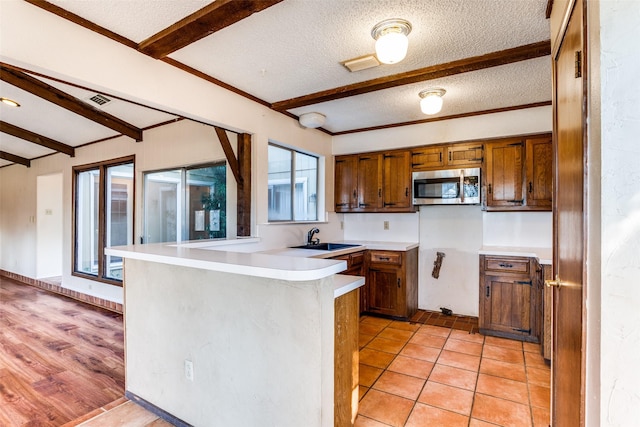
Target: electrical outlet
[
  {"x": 188, "y": 369},
  {"x": 386, "y": 225}
]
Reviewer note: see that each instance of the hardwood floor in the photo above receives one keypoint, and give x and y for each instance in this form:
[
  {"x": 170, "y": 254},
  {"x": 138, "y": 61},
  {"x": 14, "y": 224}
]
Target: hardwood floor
[{"x": 60, "y": 359}]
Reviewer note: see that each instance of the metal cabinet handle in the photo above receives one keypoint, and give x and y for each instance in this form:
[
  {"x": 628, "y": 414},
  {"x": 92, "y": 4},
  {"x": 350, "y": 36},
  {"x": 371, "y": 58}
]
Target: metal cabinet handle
[
  {"x": 488, "y": 291},
  {"x": 489, "y": 188},
  {"x": 503, "y": 265},
  {"x": 406, "y": 192},
  {"x": 398, "y": 282},
  {"x": 530, "y": 187}
]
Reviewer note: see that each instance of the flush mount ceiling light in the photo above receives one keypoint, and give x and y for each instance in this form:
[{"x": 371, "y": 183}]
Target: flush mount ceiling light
[
  {"x": 312, "y": 120},
  {"x": 431, "y": 102},
  {"x": 9, "y": 102},
  {"x": 391, "y": 40}
]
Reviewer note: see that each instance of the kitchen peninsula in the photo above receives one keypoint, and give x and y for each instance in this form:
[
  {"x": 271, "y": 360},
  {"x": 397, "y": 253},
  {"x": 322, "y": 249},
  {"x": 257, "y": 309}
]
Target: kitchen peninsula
[{"x": 219, "y": 335}]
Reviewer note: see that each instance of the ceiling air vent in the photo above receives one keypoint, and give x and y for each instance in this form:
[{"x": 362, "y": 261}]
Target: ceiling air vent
[
  {"x": 99, "y": 99},
  {"x": 361, "y": 63}
]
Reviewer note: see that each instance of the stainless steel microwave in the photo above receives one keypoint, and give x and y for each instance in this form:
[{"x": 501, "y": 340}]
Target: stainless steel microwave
[{"x": 447, "y": 187}]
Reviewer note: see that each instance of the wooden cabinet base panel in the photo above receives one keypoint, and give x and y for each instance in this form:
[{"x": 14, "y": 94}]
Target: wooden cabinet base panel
[{"x": 515, "y": 336}]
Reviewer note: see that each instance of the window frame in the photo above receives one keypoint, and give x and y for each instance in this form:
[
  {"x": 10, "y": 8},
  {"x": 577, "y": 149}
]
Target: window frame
[
  {"x": 182, "y": 189},
  {"x": 102, "y": 201},
  {"x": 293, "y": 183}
]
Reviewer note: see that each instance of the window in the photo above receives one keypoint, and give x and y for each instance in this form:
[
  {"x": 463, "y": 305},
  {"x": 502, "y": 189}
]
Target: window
[
  {"x": 293, "y": 185},
  {"x": 185, "y": 204},
  {"x": 103, "y": 213}
]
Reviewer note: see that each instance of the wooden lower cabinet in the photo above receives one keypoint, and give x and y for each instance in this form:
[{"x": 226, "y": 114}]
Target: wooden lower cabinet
[
  {"x": 355, "y": 267},
  {"x": 392, "y": 283},
  {"x": 510, "y": 298},
  {"x": 346, "y": 359}
]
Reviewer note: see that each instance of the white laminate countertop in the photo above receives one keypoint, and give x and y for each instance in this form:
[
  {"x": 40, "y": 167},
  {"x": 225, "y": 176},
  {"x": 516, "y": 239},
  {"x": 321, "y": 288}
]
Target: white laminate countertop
[
  {"x": 242, "y": 256},
  {"x": 200, "y": 255},
  {"x": 544, "y": 255},
  {"x": 360, "y": 246},
  {"x": 344, "y": 284}
]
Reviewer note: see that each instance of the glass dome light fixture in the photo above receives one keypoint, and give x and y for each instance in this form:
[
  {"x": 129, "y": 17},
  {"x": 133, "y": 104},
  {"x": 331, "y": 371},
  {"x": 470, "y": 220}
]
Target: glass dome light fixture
[
  {"x": 391, "y": 40},
  {"x": 431, "y": 102}
]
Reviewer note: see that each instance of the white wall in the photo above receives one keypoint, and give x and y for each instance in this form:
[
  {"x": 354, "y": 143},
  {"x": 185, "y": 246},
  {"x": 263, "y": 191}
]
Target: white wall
[
  {"x": 457, "y": 232},
  {"x": 524, "y": 229},
  {"x": 403, "y": 227},
  {"x": 49, "y": 220},
  {"x": 509, "y": 123},
  {"x": 619, "y": 201}
]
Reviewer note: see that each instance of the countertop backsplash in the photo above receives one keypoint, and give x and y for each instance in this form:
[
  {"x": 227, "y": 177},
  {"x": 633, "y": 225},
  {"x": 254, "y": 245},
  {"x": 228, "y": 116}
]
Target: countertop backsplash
[{"x": 528, "y": 229}]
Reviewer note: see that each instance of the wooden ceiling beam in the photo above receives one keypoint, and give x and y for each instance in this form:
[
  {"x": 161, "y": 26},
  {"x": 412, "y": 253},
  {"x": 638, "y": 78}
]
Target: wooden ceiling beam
[
  {"x": 68, "y": 102},
  {"x": 41, "y": 140},
  {"x": 494, "y": 59},
  {"x": 214, "y": 17},
  {"x": 15, "y": 159}
]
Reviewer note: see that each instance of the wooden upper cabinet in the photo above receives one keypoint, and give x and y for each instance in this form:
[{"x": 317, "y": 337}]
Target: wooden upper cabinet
[
  {"x": 427, "y": 158},
  {"x": 518, "y": 174},
  {"x": 539, "y": 153},
  {"x": 464, "y": 155},
  {"x": 504, "y": 174},
  {"x": 447, "y": 156},
  {"x": 346, "y": 183},
  {"x": 369, "y": 182},
  {"x": 373, "y": 182},
  {"x": 396, "y": 180}
]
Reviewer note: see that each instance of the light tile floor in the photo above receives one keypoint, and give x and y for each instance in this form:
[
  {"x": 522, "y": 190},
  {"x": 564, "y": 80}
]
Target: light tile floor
[{"x": 423, "y": 375}]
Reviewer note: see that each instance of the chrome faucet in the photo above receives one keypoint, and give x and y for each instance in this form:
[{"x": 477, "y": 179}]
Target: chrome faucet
[{"x": 310, "y": 239}]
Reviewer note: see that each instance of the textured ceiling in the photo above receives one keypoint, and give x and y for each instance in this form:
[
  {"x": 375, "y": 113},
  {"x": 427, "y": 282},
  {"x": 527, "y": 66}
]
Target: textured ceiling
[{"x": 295, "y": 48}]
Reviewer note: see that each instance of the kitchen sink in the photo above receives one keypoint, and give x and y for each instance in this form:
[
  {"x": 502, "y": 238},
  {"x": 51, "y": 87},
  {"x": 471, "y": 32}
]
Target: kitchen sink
[{"x": 325, "y": 246}]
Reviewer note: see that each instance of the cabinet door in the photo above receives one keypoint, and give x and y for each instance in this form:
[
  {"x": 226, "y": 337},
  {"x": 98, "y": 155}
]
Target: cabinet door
[
  {"x": 346, "y": 183},
  {"x": 464, "y": 155},
  {"x": 504, "y": 174},
  {"x": 396, "y": 182},
  {"x": 539, "y": 172},
  {"x": 427, "y": 158},
  {"x": 369, "y": 182},
  {"x": 507, "y": 306},
  {"x": 385, "y": 291}
]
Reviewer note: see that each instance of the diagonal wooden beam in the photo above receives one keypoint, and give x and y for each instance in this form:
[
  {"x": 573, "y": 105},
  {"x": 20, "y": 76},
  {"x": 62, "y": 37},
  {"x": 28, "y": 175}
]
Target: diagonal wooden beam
[
  {"x": 15, "y": 159},
  {"x": 206, "y": 21},
  {"x": 44, "y": 141},
  {"x": 68, "y": 102},
  {"x": 244, "y": 186},
  {"x": 494, "y": 59},
  {"x": 228, "y": 152}
]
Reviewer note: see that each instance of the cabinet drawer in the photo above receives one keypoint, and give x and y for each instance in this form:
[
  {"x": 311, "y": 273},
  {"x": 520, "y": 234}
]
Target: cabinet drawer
[
  {"x": 353, "y": 260},
  {"x": 507, "y": 265},
  {"x": 383, "y": 257},
  {"x": 356, "y": 258}
]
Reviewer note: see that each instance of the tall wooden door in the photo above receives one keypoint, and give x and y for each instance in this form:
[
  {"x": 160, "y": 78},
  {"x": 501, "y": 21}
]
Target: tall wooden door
[{"x": 567, "y": 408}]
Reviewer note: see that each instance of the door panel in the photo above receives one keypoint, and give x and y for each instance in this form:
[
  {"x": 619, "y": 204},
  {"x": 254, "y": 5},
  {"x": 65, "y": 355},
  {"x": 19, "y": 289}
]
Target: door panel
[{"x": 567, "y": 356}]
